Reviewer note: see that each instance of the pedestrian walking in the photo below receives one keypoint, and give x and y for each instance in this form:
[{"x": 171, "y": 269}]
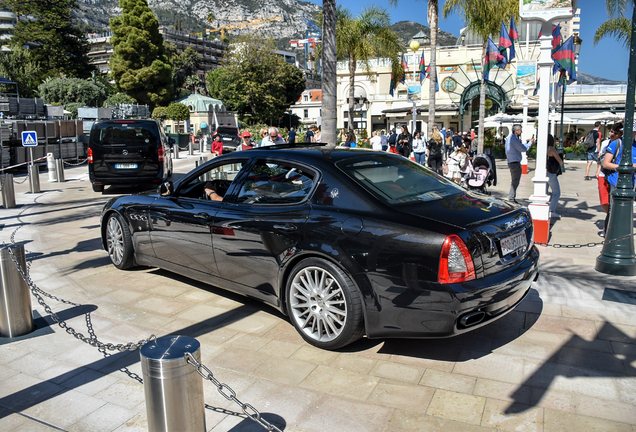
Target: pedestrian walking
[{"x": 514, "y": 148}]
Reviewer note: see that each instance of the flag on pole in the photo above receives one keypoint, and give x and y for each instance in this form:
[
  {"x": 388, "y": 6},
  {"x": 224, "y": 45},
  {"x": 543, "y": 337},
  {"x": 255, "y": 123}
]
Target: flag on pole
[
  {"x": 536, "y": 89},
  {"x": 493, "y": 58},
  {"x": 392, "y": 85},
  {"x": 505, "y": 43},
  {"x": 514, "y": 34},
  {"x": 422, "y": 68},
  {"x": 405, "y": 66},
  {"x": 564, "y": 59},
  {"x": 540, "y": 34},
  {"x": 428, "y": 75},
  {"x": 556, "y": 36}
]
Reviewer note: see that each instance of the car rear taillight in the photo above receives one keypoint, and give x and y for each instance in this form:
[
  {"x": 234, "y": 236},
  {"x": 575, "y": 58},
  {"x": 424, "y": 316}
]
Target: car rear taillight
[
  {"x": 89, "y": 155},
  {"x": 455, "y": 263},
  {"x": 160, "y": 154}
]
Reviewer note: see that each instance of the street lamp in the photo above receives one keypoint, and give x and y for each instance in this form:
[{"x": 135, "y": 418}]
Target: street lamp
[{"x": 618, "y": 257}]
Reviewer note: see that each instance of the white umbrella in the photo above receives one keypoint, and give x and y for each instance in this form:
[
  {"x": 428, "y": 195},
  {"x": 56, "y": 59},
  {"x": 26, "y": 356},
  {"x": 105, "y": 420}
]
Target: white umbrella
[
  {"x": 606, "y": 116},
  {"x": 556, "y": 117}
]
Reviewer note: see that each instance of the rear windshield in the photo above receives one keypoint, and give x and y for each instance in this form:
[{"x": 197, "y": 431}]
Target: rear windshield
[
  {"x": 227, "y": 131},
  {"x": 397, "y": 180},
  {"x": 125, "y": 134}
]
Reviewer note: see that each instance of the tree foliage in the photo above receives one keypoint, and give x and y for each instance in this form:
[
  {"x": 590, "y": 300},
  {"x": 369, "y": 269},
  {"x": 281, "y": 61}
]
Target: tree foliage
[
  {"x": 55, "y": 42},
  {"x": 177, "y": 112},
  {"x": 617, "y": 26},
  {"x": 139, "y": 64},
  {"x": 184, "y": 65},
  {"x": 255, "y": 81},
  {"x": 119, "y": 98},
  {"x": 362, "y": 38},
  {"x": 160, "y": 113},
  {"x": 72, "y": 90},
  {"x": 483, "y": 19},
  {"x": 20, "y": 66}
]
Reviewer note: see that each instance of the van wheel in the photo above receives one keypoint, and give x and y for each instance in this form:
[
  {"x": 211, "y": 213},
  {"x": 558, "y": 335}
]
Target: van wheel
[
  {"x": 324, "y": 305},
  {"x": 119, "y": 242},
  {"x": 98, "y": 188}
]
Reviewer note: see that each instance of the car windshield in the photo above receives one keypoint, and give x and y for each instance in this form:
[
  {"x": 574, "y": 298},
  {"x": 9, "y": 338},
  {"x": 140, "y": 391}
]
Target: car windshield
[
  {"x": 124, "y": 134},
  {"x": 397, "y": 180}
]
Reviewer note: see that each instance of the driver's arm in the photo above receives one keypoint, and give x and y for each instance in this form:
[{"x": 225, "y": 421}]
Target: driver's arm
[{"x": 212, "y": 195}]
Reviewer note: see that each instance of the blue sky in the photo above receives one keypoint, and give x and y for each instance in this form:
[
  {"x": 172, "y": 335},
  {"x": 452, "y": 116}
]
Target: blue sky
[{"x": 608, "y": 59}]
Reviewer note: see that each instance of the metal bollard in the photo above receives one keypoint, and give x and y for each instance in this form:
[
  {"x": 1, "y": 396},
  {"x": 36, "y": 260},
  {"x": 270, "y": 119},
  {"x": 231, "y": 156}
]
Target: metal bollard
[
  {"x": 175, "y": 150},
  {"x": 50, "y": 166},
  {"x": 16, "y": 316},
  {"x": 191, "y": 148},
  {"x": 173, "y": 388},
  {"x": 59, "y": 168},
  {"x": 34, "y": 179},
  {"x": 8, "y": 192}
]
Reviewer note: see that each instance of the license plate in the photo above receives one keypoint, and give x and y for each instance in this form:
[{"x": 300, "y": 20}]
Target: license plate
[
  {"x": 513, "y": 243},
  {"x": 126, "y": 166}
]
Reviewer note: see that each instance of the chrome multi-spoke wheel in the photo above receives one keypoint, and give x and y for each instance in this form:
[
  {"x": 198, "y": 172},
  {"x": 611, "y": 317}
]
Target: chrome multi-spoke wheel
[
  {"x": 318, "y": 304},
  {"x": 323, "y": 304},
  {"x": 118, "y": 242},
  {"x": 115, "y": 239}
]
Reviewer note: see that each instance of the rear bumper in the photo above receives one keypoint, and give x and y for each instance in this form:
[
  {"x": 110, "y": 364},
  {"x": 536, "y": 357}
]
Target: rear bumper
[
  {"x": 128, "y": 180},
  {"x": 431, "y": 310}
]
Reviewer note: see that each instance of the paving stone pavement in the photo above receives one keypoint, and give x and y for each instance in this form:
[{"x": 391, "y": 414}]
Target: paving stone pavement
[{"x": 564, "y": 360}]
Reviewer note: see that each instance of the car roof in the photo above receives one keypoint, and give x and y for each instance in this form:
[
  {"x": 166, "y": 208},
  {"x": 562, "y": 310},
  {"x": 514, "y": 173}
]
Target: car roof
[{"x": 324, "y": 153}]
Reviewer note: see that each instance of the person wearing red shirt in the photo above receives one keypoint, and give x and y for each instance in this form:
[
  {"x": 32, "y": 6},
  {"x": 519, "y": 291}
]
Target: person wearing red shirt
[{"x": 217, "y": 146}]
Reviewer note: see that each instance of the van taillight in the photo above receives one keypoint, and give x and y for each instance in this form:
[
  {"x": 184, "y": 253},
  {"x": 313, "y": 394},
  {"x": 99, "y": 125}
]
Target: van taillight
[
  {"x": 455, "y": 263},
  {"x": 90, "y": 155},
  {"x": 160, "y": 154}
]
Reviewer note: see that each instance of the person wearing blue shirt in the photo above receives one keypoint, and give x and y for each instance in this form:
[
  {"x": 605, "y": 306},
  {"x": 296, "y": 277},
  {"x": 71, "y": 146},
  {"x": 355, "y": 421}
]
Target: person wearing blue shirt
[
  {"x": 612, "y": 157},
  {"x": 611, "y": 160},
  {"x": 514, "y": 148}
]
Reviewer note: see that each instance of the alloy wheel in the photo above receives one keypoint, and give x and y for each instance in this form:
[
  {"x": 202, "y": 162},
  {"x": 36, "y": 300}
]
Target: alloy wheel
[
  {"x": 115, "y": 241},
  {"x": 318, "y": 304}
]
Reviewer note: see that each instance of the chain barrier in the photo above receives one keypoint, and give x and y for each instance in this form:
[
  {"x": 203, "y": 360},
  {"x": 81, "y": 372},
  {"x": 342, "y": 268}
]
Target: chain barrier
[
  {"x": 25, "y": 179},
  {"x": 247, "y": 409},
  {"x": 75, "y": 164},
  {"x": 92, "y": 338},
  {"x": 591, "y": 244}
]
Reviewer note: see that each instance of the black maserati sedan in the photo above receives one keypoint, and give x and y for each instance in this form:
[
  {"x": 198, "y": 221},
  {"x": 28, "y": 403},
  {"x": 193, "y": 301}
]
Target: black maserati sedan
[{"x": 346, "y": 242}]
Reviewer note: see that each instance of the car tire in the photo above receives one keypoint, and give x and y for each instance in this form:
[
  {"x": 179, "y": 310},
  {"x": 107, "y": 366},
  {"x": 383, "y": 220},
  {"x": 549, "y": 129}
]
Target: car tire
[
  {"x": 119, "y": 242},
  {"x": 98, "y": 188},
  {"x": 324, "y": 305}
]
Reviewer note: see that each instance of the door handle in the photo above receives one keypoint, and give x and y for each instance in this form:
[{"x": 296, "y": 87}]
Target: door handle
[
  {"x": 286, "y": 227},
  {"x": 202, "y": 216}
]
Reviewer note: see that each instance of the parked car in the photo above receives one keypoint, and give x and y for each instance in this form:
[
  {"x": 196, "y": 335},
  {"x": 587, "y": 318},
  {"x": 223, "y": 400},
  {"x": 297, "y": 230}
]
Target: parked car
[
  {"x": 346, "y": 242},
  {"x": 128, "y": 152},
  {"x": 230, "y": 136}
]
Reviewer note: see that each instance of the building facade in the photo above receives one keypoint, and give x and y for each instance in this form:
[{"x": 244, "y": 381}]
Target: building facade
[{"x": 210, "y": 51}]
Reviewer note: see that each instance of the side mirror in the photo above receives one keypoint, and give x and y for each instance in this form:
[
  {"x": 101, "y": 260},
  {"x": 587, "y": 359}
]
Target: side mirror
[
  {"x": 166, "y": 188},
  {"x": 171, "y": 141}
]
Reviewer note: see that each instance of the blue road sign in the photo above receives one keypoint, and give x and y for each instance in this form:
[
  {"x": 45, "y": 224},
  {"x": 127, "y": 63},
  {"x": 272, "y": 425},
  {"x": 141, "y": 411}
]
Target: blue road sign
[{"x": 29, "y": 138}]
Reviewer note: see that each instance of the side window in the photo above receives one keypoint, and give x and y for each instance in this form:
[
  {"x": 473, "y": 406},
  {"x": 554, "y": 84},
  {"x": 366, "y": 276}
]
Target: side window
[
  {"x": 276, "y": 183},
  {"x": 220, "y": 177}
]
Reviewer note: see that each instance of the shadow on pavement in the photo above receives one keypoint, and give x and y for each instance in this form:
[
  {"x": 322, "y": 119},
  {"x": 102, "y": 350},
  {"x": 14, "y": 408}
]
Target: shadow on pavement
[{"x": 579, "y": 358}]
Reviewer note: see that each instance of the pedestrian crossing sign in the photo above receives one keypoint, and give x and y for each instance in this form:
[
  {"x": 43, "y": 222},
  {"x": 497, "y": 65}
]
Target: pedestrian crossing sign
[{"x": 29, "y": 138}]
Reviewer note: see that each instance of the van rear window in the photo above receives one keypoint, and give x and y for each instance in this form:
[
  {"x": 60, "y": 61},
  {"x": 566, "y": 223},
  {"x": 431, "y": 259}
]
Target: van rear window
[{"x": 125, "y": 134}]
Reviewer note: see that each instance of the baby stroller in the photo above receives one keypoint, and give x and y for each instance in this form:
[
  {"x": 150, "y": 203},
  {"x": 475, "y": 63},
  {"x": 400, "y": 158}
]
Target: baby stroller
[{"x": 479, "y": 174}]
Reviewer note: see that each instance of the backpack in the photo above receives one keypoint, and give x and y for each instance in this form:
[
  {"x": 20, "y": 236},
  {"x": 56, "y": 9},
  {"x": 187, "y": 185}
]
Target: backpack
[
  {"x": 589, "y": 140},
  {"x": 393, "y": 139}
]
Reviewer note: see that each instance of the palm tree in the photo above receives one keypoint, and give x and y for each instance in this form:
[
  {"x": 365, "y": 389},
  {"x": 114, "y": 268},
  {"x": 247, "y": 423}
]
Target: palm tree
[
  {"x": 483, "y": 19},
  {"x": 617, "y": 26},
  {"x": 329, "y": 71},
  {"x": 362, "y": 38},
  {"x": 433, "y": 22}
]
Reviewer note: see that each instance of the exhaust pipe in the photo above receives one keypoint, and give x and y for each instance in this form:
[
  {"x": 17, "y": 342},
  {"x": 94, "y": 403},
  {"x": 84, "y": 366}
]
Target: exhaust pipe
[{"x": 472, "y": 319}]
